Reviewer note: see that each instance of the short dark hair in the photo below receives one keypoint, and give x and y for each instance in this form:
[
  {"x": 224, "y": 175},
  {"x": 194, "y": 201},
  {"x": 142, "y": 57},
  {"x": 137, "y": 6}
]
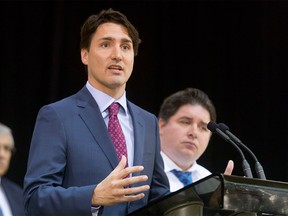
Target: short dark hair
[
  {"x": 192, "y": 96},
  {"x": 94, "y": 21}
]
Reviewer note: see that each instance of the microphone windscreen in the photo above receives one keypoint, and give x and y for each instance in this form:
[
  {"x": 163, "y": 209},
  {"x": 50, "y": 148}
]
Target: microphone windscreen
[
  {"x": 223, "y": 127},
  {"x": 212, "y": 126}
]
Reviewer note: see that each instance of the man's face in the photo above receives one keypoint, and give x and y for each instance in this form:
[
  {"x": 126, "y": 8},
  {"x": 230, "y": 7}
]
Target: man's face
[
  {"x": 185, "y": 137},
  {"x": 110, "y": 59},
  {"x": 5, "y": 152}
]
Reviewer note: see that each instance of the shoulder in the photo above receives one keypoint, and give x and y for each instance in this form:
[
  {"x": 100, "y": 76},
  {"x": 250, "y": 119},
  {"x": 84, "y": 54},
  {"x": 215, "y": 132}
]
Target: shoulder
[
  {"x": 14, "y": 194},
  {"x": 79, "y": 99},
  {"x": 7, "y": 183},
  {"x": 138, "y": 110},
  {"x": 81, "y": 96}
]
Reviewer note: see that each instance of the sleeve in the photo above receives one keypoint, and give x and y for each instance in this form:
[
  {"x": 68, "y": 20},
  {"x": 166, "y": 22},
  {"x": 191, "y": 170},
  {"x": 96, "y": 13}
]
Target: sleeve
[{"x": 44, "y": 193}]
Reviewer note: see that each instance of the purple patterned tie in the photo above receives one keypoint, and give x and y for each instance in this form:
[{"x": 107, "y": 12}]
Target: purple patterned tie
[{"x": 115, "y": 131}]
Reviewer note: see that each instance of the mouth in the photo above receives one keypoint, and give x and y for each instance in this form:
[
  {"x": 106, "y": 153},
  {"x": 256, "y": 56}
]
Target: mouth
[
  {"x": 2, "y": 164},
  {"x": 115, "y": 68},
  {"x": 190, "y": 145}
]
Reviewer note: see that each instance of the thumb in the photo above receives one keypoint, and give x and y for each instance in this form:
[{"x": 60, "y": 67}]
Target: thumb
[{"x": 229, "y": 168}]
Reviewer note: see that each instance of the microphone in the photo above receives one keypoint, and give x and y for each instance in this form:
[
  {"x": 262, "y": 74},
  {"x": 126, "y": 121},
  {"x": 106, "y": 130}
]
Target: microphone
[
  {"x": 258, "y": 168},
  {"x": 213, "y": 127}
]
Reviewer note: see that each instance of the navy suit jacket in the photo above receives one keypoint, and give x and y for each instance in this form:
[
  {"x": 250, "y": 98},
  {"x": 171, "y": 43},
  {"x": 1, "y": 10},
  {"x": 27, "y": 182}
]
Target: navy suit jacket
[
  {"x": 71, "y": 152},
  {"x": 14, "y": 195}
]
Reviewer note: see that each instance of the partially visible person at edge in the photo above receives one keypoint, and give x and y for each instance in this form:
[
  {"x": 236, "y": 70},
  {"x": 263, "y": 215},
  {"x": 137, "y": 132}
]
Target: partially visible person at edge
[
  {"x": 183, "y": 119},
  {"x": 11, "y": 199},
  {"x": 73, "y": 168}
]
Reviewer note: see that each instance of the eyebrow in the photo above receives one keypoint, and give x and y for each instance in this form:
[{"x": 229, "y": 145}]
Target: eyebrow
[
  {"x": 126, "y": 40},
  {"x": 6, "y": 144},
  {"x": 189, "y": 118}
]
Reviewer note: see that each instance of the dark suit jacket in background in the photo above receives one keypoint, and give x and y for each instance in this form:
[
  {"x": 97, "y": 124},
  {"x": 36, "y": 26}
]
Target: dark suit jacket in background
[
  {"x": 71, "y": 152},
  {"x": 14, "y": 195}
]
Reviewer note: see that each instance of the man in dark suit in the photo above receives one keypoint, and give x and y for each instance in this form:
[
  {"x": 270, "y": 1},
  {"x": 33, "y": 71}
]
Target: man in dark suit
[
  {"x": 73, "y": 167},
  {"x": 10, "y": 193}
]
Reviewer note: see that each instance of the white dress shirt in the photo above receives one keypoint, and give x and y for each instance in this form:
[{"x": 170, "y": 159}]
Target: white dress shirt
[
  {"x": 198, "y": 172},
  {"x": 4, "y": 204},
  {"x": 104, "y": 101}
]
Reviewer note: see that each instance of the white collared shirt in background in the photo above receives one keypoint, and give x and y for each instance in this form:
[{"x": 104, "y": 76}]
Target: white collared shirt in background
[
  {"x": 198, "y": 172},
  {"x": 4, "y": 204}
]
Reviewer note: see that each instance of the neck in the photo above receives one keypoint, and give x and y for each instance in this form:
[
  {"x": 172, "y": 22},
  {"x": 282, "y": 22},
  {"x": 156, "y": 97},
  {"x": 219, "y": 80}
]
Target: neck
[{"x": 115, "y": 93}]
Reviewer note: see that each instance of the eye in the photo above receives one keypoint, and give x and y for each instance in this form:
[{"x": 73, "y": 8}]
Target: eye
[
  {"x": 203, "y": 127},
  {"x": 126, "y": 47},
  {"x": 7, "y": 148},
  {"x": 105, "y": 45},
  {"x": 184, "y": 121}
]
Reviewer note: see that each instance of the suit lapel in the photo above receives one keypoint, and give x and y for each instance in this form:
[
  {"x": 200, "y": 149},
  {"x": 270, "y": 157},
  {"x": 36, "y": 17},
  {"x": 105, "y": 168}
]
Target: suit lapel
[
  {"x": 92, "y": 117},
  {"x": 139, "y": 131}
]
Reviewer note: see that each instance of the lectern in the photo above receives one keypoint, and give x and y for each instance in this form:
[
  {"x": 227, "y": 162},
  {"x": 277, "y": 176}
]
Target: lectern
[{"x": 222, "y": 195}]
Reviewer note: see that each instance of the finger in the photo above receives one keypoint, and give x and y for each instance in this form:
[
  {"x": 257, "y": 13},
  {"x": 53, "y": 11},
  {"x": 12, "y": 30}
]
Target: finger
[
  {"x": 133, "y": 180},
  {"x": 129, "y": 170},
  {"x": 130, "y": 191},
  {"x": 121, "y": 165},
  {"x": 131, "y": 198},
  {"x": 136, "y": 190},
  {"x": 229, "y": 168}
]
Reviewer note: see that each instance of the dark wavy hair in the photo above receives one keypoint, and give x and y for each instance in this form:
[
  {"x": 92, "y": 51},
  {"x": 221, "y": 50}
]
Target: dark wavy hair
[
  {"x": 94, "y": 21},
  {"x": 192, "y": 96}
]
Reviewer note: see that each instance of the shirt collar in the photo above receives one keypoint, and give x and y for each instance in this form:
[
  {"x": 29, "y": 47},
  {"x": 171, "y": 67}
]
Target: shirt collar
[
  {"x": 169, "y": 164},
  {"x": 104, "y": 101}
]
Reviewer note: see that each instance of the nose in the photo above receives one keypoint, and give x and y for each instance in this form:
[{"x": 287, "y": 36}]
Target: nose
[
  {"x": 2, "y": 151},
  {"x": 193, "y": 131},
  {"x": 116, "y": 54}
]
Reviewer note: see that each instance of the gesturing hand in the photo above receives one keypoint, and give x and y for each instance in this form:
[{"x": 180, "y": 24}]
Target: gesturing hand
[
  {"x": 229, "y": 168},
  {"x": 115, "y": 188}
]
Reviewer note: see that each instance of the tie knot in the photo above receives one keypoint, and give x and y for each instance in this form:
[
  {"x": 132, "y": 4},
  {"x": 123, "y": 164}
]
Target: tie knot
[
  {"x": 184, "y": 177},
  {"x": 113, "y": 109}
]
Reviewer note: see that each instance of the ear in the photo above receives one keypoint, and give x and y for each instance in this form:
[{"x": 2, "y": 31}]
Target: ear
[
  {"x": 161, "y": 124},
  {"x": 84, "y": 56}
]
